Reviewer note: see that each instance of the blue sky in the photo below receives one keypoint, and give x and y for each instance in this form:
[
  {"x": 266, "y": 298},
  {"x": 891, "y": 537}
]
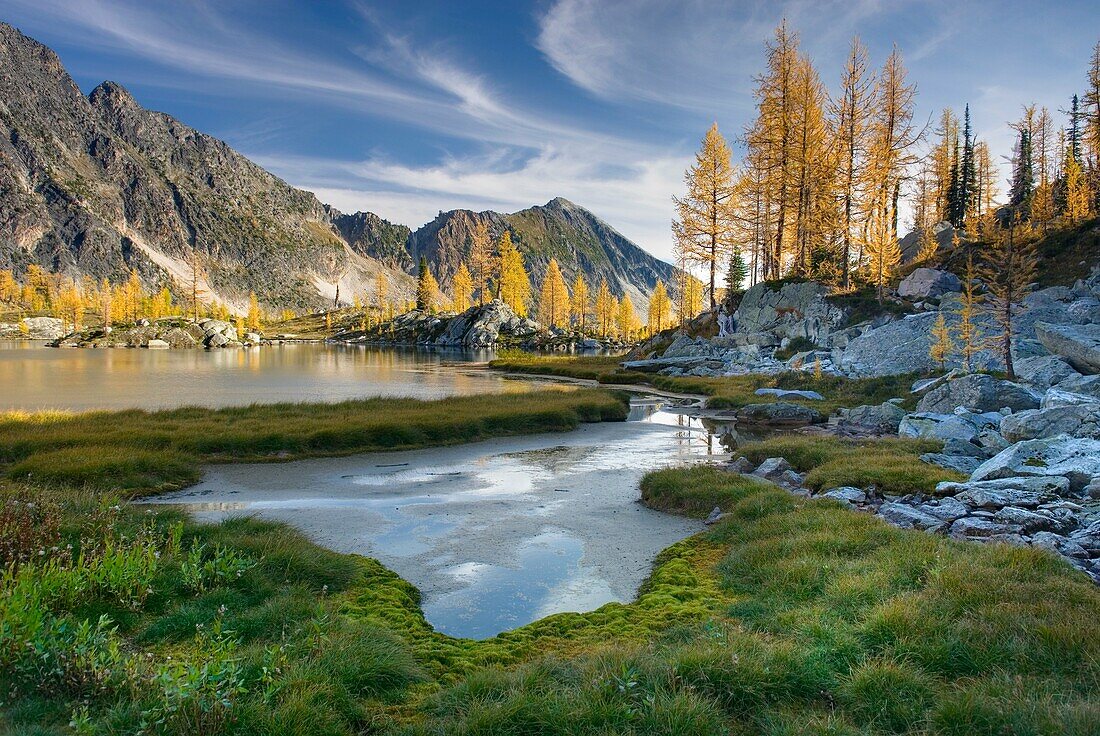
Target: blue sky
[{"x": 409, "y": 108}]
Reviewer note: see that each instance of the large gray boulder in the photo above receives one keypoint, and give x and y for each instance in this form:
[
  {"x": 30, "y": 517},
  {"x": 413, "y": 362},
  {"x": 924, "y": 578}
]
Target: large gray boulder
[
  {"x": 1075, "y": 420},
  {"x": 1079, "y": 345},
  {"x": 794, "y": 310},
  {"x": 1043, "y": 371},
  {"x": 979, "y": 392},
  {"x": 899, "y": 346},
  {"x": 907, "y": 517},
  {"x": 928, "y": 282},
  {"x": 933, "y": 426},
  {"x": 884, "y": 418},
  {"x": 485, "y": 326},
  {"x": 39, "y": 328},
  {"x": 1084, "y": 385},
  {"x": 1077, "y": 459},
  {"x": 779, "y": 412}
]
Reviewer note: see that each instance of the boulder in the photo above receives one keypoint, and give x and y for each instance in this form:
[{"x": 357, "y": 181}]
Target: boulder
[
  {"x": 714, "y": 517},
  {"x": 1029, "y": 521},
  {"x": 772, "y": 467},
  {"x": 216, "y": 340},
  {"x": 1078, "y": 345},
  {"x": 970, "y": 526},
  {"x": 1077, "y": 420},
  {"x": 965, "y": 448},
  {"x": 847, "y": 494},
  {"x": 1077, "y": 459},
  {"x": 947, "y": 509},
  {"x": 1049, "y": 488},
  {"x": 1055, "y": 397},
  {"x": 40, "y": 328},
  {"x": 959, "y": 463},
  {"x": 908, "y": 517},
  {"x": 932, "y": 426},
  {"x": 1044, "y": 371},
  {"x": 779, "y": 412},
  {"x": 1082, "y": 385},
  {"x": 881, "y": 419},
  {"x": 793, "y": 310},
  {"x": 156, "y": 344},
  {"x": 1059, "y": 544},
  {"x": 928, "y": 282},
  {"x": 978, "y": 392},
  {"x": 783, "y": 393}
]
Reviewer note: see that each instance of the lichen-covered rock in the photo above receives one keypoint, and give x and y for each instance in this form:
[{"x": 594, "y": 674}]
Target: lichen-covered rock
[
  {"x": 908, "y": 517},
  {"x": 794, "y": 310},
  {"x": 1078, "y": 345},
  {"x": 1044, "y": 371},
  {"x": 1075, "y": 420},
  {"x": 880, "y": 419},
  {"x": 1075, "y": 459},
  {"x": 933, "y": 426},
  {"x": 978, "y": 392},
  {"x": 928, "y": 282},
  {"x": 779, "y": 412}
]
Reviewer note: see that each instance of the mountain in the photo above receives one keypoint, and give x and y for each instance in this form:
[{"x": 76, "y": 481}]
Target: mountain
[
  {"x": 98, "y": 185},
  {"x": 578, "y": 239}
]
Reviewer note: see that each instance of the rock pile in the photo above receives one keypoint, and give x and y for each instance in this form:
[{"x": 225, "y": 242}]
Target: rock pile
[{"x": 169, "y": 332}]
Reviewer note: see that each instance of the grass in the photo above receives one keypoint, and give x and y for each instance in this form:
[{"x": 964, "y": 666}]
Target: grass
[
  {"x": 791, "y": 616},
  {"x": 727, "y": 392},
  {"x": 829, "y": 622},
  {"x": 893, "y": 466},
  {"x": 151, "y": 451}
]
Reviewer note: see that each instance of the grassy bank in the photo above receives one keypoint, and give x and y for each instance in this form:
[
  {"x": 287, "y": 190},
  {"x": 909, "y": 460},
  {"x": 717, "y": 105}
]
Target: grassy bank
[
  {"x": 132, "y": 451},
  {"x": 727, "y": 392},
  {"x": 893, "y": 466},
  {"x": 790, "y": 617}
]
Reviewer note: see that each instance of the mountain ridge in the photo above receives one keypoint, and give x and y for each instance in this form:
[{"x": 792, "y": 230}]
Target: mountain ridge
[{"x": 96, "y": 185}]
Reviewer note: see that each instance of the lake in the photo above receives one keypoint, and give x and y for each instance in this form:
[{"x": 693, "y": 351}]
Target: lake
[{"x": 33, "y": 376}]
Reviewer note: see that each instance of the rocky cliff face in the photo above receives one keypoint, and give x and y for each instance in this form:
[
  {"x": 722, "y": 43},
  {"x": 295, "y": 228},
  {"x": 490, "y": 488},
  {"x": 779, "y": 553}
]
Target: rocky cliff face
[
  {"x": 98, "y": 185},
  {"x": 560, "y": 229}
]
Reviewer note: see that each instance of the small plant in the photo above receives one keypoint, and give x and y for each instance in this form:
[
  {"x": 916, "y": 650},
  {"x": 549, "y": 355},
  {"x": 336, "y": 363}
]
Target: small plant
[
  {"x": 199, "y": 572},
  {"x": 198, "y": 696}
]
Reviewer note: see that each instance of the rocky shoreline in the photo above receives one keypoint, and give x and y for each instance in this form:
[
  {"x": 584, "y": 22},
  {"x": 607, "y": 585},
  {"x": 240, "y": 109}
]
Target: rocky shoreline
[{"x": 169, "y": 332}]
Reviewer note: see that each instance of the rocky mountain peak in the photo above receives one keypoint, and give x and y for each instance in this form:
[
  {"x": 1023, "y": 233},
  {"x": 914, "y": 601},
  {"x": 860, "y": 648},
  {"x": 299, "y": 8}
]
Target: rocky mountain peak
[{"x": 112, "y": 97}]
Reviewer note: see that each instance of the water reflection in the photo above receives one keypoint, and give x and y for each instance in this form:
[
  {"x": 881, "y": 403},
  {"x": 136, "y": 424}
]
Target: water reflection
[{"x": 37, "y": 377}]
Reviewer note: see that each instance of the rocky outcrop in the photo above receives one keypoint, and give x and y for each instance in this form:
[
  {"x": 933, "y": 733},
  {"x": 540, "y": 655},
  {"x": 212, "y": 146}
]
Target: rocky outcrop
[
  {"x": 884, "y": 418},
  {"x": 928, "y": 282},
  {"x": 1044, "y": 371},
  {"x": 170, "y": 332},
  {"x": 1073, "y": 458},
  {"x": 961, "y": 425},
  {"x": 1074, "y": 420},
  {"x": 491, "y": 325},
  {"x": 33, "y": 328},
  {"x": 978, "y": 392},
  {"x": 794, "y": 310},
  {"x": 1078, "y": 345},
  {"x": 779, "y": 413}
]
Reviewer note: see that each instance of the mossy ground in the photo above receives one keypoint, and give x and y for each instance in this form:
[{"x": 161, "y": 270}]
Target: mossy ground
[
  {"x": 726, "y": 392},
  {"x": 789, "y": 617}
]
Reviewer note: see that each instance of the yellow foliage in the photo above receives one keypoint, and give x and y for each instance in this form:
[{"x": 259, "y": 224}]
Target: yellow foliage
[{"x": 553, "y": 298}]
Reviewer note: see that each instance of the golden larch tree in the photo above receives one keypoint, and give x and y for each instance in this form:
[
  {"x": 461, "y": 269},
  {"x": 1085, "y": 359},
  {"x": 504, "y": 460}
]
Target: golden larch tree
[
  {"x": 579, "y": 306},
  {"x": 513, "y": 284},
  {"x": 942, "y": 344},
  {"x": 1008, "y": 268},
  {"x": 1077, "y": 193},
  {"x": 462, "y": 288},
  {"x": 967, "y": 330},
  {"x": 255, "y": 316},
  {"x": 605, "y": 309},
  {"x": 852, "y": 113},
  {"x": 628, "y": 320},
  {"x": 481, "y": 260},
  {"x": 705, "y": 227},
  {"x": 892, "y": 139},
  {"x": 660, "y": 309},
  {"x": 554, "y": 305}
]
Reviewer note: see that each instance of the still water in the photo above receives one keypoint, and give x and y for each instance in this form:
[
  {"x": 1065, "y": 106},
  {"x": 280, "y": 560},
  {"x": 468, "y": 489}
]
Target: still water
[
  {"x": 36, "y": 377},
  {"x": 494, "y": 534}
]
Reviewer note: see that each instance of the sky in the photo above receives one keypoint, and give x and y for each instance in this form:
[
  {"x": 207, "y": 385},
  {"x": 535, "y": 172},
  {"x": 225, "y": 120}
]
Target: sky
[{"x": 409, "y": 108}]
